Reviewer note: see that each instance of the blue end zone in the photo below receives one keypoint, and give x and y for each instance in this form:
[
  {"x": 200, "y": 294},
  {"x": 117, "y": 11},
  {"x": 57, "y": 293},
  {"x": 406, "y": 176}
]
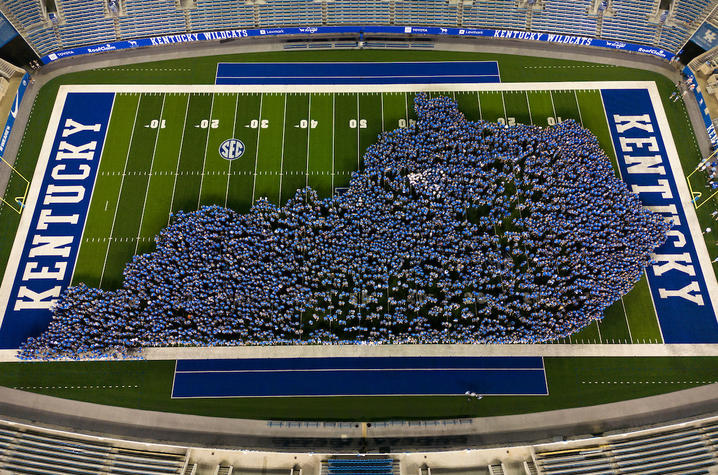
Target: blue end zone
[
  {"x": 679, "y": 290},
  {"x": 418, "y": 376},
  {"x": 358, "y": 73},
  {"x": 53, "y": 239}
]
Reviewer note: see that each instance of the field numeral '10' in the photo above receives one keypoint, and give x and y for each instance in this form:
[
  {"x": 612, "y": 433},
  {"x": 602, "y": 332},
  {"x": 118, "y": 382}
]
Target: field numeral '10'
[
  {"x": 552, "y": 121},
  {"x": 154, "y": 123}
]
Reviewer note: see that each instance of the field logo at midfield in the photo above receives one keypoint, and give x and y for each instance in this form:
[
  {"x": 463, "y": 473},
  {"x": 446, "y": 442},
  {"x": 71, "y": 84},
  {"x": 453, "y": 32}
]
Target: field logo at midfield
[
  {"x": 231, "y": 149},
  {"x": 48, "y": 247},
  {"x": 676, "y": 279}
]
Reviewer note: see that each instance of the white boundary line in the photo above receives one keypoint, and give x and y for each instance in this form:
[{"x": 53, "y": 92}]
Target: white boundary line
[
  {"x": 546, "y": 350},
  {"x": 699, "y": 243}
]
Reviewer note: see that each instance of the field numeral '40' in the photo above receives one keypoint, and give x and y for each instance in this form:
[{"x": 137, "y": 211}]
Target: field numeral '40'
[{"x": 304, "y": 123}]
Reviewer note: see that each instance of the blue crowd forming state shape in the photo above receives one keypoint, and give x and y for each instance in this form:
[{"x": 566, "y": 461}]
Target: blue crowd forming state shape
[{"x": 454, "y": 231}]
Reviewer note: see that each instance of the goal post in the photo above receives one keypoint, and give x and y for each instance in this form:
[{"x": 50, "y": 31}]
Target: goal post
[{"x": 17, "y": 187}]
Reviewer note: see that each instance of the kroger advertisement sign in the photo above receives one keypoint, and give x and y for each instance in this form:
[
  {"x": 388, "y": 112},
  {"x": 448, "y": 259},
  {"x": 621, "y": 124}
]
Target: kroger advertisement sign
[{"x": 311, "y": 30}]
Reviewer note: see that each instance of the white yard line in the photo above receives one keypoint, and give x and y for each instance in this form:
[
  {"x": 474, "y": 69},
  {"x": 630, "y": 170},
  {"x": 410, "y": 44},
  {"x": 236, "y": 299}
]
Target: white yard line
[
  {"x": 149, "y": 178},
  {"x": 553, "y": 106},
  {"x": 528, "y": 104},
  {"x": 179, "y": 157},
  {"x": 281, "y": 163},
  {"x": 119, "y": 193},
  {"x": 256, "y": 149},
  {"x": 334, "y": 113},
  {"x": 358, "y": 135},
  {"x": 478, "y": 102},
  {"x": 628, "y": 325},
  {"x": 206, "y": 145},
  {"x": 406, "y": 107},
  {"x": 503, "y": 101},
  {"x": 309, "y": 128},
  {"x": 381, "y": 94},
  {"x": 578, "y": 106},
  {"x": 229, "y": 166}
]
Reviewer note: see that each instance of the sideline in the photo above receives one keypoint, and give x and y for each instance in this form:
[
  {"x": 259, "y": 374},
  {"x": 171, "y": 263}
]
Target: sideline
[{"x": 340, "y": 351}]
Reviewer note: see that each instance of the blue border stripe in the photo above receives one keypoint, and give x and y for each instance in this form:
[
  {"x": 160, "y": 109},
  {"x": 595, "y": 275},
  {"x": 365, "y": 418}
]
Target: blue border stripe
[
  {"x": 381, "y": 382},
  {"x": 65, "y": 195},
  {"x": 358, "y": 73},
  {"x": 687, "y": 319},
  {"x": 395, "y": 362}
]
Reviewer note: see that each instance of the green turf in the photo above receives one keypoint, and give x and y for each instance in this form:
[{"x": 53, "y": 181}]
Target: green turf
[{"x": 572, "y": 382}]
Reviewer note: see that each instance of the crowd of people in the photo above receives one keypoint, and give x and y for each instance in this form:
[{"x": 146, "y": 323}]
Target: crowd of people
[{"x": 454, "y": 231}]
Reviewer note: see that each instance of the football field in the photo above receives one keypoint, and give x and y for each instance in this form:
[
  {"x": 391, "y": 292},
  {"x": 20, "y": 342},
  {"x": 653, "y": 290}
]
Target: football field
[{"x": 160, "y": 151}]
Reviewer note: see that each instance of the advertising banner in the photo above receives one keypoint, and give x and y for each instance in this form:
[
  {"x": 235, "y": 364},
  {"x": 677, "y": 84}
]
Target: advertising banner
[{"x": 328, "y": 30}]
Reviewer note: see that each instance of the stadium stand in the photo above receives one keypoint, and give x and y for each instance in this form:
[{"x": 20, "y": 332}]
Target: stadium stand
[
  {"x": 37, "y": 452},
  {"x": 211, "y": 14},
  {"x": 84, "y": 22},
  {"x": 685, "y": 450},
  {"x": 360, "y": 466}
]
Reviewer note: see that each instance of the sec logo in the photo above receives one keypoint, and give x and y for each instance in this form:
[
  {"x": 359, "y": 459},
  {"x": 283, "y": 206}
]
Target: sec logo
[{"x": 231, "y": 149}]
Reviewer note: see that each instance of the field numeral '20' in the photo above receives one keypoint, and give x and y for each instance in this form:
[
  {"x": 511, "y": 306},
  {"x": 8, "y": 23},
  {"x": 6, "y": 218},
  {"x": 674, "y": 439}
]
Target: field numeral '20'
[
  {"x": 259, "y": 124},
  {"x": 214, "y": 123}
]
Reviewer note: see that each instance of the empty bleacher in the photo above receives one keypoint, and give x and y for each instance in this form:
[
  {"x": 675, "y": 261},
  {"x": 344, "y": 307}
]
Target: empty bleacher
[
  {"x": 567, "y": 17},
  {"x": 38, "y": 452},
  {"x": 689, "y": 449},
  {"x": 221, "y": 14},
  {"x": 84, "y": 22},
  {"x": 360, "y": 466},
  {"x": 151, "y": 17}
]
